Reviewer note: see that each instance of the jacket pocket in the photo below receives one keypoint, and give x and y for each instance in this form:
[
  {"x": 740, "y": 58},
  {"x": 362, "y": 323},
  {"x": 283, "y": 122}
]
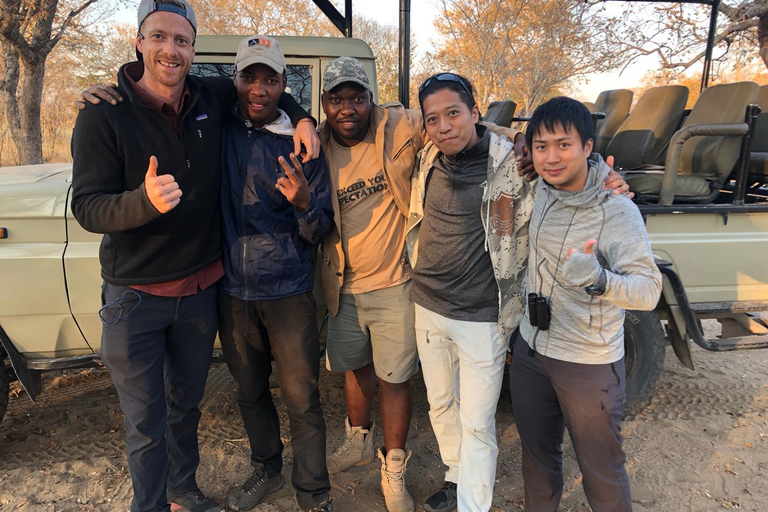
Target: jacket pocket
[{"x": 408, "y": 144}]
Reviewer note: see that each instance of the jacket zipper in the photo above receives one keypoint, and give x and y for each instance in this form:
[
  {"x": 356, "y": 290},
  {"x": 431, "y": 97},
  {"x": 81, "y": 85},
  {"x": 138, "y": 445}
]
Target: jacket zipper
[
  {"x": 243, "y": 187},
  {"x": 180, "y": 138},
  {"x": 407, "y": 144}
]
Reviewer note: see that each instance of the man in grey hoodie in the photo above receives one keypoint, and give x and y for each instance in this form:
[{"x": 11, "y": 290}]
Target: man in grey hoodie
[{"x": 589, "y": 259}]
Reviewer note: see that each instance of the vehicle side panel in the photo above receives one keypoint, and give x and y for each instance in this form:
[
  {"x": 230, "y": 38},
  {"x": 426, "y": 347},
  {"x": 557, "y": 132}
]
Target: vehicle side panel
[
  {"x": 34, "y": 310},
  {"x": 717, "y": 261}
]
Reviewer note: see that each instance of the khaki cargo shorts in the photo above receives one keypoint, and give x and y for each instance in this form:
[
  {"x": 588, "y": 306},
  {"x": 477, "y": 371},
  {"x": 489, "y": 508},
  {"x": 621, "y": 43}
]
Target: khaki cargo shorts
[{"x": 376, "y": 327}]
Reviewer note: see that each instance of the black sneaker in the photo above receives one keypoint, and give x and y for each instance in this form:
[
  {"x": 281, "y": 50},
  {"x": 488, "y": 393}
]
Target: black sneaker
[
  {"x": 443, "y": 500},
  {"x": 194, "y": 501},
  {"x": 253, "y": 490},
  {"x": 325, "y": 506}
]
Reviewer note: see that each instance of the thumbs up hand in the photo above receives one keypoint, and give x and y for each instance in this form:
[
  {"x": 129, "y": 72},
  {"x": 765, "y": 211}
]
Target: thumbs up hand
[
  {"x": 582, "y": 269},
  {"x": 163, "y": 191}
]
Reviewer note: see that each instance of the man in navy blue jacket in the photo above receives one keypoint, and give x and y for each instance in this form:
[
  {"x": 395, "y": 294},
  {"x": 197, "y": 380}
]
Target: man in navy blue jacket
[{"x": 274, "y": 213}]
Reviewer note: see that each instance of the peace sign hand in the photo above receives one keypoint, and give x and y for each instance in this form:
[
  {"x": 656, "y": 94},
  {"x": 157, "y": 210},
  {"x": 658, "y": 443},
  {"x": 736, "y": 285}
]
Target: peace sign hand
[{"x": 294, "y": 185}]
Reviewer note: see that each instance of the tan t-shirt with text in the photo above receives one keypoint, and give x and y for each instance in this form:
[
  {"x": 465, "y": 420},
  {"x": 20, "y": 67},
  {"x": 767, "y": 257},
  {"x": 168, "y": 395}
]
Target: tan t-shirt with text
[{"x": 373, "y": 229}]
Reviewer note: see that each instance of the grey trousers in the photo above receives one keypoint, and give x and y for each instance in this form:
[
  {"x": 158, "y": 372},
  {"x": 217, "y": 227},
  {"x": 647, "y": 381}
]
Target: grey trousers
[{"x": 547, "y": 396}]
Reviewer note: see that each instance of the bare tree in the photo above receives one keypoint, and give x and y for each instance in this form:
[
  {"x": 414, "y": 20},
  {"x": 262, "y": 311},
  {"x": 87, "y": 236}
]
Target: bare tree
[
  {"x": 677, "y": 33},
  {"x": 29, "y": 30},
  {"x": 525, "y": 50}
]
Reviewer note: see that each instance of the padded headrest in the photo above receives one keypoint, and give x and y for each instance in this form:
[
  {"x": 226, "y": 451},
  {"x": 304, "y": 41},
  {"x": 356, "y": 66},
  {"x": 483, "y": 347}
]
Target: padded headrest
[
  {"x": 643, "y": 138},
  {"x": 762, "y": 98},
  {"x": 501, "y": 112},
  {"x": 715, "y": 156},
  {"x": 615, "y": 104}
]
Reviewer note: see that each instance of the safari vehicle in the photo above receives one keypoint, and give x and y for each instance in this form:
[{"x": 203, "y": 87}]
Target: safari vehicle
[
  {"x": 701, "y": 183},
  {"x": 51, "y": 281}
]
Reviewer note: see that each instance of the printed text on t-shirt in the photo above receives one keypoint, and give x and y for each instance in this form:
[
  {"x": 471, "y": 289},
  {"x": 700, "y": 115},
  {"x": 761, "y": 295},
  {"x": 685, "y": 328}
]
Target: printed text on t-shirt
[{"x": 362, "y": 188}]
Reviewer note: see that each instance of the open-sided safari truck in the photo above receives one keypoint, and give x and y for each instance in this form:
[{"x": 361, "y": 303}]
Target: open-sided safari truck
[{"x": 700, "y": 179}]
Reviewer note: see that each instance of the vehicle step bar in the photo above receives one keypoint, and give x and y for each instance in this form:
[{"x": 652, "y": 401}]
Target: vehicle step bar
[
  {"x": 742, "y": 342},
  {"x": 65, "y": 363},
  {"x": 747, "y": 306},
  {"x": 692, "y": 325}
]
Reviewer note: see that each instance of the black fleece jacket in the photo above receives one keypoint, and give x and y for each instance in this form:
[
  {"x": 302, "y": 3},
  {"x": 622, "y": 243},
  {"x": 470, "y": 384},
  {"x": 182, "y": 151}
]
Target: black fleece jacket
[{"x": 111, "y": 146}]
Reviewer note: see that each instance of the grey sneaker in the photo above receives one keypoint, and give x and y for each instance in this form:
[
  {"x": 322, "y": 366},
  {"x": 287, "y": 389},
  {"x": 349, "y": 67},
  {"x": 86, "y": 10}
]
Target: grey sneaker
[
  {"x": 393, "y": 467},
  {"x": 443, "y": 500},
  {"x": 252, "y": 491},
  {"x": 356, "y": 450},
  {"x": 194, "y": 501}
]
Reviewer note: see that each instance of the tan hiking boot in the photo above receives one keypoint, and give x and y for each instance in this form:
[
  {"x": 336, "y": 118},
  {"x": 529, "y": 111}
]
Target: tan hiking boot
[
  {"x": 356, "y": 450},
  {"x": 393, "y": 466}
]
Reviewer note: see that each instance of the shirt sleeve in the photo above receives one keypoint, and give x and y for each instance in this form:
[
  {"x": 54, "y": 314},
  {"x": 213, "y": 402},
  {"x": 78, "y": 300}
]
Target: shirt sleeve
[
  {"x": 316, "y": 221},
  {"x": 100, "y": 202},
  {"x": 633, "y": 281},
  {"x": 290, "y": 106}
]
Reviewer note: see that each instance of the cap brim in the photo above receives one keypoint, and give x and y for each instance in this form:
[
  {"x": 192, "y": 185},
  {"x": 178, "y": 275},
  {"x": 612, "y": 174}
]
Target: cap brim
[
  {"x": 344, "y": 80},
  {"x": 256, "y": 59}
]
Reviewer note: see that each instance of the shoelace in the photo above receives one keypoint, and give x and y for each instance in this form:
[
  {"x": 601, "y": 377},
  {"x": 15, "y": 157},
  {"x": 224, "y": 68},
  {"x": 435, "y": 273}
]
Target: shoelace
[
  {"x": 251, "y": 482},
  {"x": 396, "y": 479},
  {"x": 199, "y": 496}
]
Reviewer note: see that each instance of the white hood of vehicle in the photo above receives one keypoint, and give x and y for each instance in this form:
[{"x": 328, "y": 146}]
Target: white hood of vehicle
[{"x": 33, "y": 173}]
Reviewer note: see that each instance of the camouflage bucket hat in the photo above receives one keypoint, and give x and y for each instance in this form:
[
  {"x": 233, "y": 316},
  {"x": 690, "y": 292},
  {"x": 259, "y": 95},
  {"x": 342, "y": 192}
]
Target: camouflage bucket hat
[{"x": 344, "y": 69}]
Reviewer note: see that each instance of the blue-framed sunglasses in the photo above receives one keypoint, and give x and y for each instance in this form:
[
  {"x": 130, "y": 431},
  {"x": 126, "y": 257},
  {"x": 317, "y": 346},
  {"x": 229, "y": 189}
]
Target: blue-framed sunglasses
[{"x": 446, "y": 77}]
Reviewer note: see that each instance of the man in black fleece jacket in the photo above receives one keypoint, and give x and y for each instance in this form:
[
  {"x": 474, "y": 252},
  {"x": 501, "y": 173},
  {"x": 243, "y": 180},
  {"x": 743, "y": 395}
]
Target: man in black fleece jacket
[{"x": 146, "y": 174}]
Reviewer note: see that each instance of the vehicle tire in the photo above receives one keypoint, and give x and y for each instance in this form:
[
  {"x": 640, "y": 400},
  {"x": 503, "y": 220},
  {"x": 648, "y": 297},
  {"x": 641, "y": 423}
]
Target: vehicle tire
[
  {"x": 644, "y": 348},
  {"x": 4, "y": 380}
]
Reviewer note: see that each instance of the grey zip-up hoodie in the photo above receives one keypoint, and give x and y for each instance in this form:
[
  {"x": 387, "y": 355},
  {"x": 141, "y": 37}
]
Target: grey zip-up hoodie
[{"x": 586, "y": 329}]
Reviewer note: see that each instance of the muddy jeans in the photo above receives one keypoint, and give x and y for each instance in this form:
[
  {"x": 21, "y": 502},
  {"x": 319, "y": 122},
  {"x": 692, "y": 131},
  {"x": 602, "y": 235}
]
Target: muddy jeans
[
  {"x": 251, "y": 333},
  {"x": 547, "y": 396}
]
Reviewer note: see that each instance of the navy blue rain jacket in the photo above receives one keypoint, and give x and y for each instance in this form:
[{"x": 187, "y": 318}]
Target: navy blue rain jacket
[{"x": 268, "y": 243}]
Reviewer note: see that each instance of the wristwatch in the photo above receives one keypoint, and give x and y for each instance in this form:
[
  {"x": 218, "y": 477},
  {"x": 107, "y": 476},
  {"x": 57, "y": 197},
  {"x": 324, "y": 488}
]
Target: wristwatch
[{"x": 598, "y": 288}]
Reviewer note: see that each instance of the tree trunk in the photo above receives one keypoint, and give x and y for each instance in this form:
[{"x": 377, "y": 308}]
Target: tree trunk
[
  {"x": 21, "y": 90},
  {"x": 30, "y": 94},
  {"x": 8, "y": 86}
]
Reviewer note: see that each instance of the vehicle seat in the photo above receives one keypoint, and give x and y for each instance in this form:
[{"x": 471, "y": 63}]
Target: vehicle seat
[
  {"x": 704, "y": 151},
  {"x": 615, "y": 104},
  {"x": 643, "y": 137},
  {"x": 758, "y": 160},
  {"x": 501, "y": 112}
]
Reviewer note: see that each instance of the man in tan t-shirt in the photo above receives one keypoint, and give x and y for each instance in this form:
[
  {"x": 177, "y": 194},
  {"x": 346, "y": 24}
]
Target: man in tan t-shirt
[{"x": 371, "y": 152}]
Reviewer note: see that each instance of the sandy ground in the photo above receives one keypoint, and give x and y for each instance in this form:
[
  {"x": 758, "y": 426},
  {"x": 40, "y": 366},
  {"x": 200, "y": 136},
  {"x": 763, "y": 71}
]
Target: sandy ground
[{"x": 701, "y": 445}]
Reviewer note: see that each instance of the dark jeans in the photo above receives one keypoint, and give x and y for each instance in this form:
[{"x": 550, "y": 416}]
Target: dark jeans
[
  {"x": 158, "y": 357},
  {"x": 251, "y": 332},
  {"x": 547, "y": 396}
]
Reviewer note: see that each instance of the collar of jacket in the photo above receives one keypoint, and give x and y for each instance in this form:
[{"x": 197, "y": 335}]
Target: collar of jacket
[{"x": 126, "y": 90}]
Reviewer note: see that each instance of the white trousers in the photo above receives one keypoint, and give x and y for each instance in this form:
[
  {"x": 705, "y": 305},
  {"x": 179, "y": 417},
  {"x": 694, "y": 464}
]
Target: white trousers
[{"x": 463, "y": 359}]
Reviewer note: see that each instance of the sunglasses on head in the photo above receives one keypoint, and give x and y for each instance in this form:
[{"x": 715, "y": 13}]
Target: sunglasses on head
[{"x": 446, "y": 77}]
